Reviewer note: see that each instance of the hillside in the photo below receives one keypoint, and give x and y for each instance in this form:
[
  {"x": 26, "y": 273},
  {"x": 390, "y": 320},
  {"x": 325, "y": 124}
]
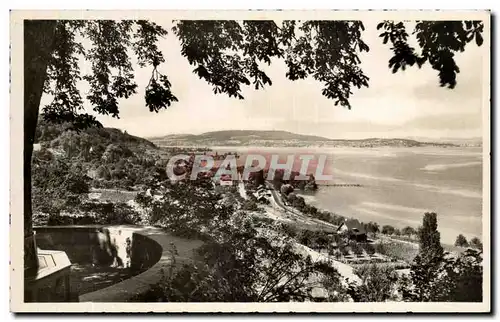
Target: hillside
[
  {"x": 464, "y": 142},
  {"x": 109, "y": 157},
  {"x": 50, "y": 133},
  {"x": 280, "y": 139}
]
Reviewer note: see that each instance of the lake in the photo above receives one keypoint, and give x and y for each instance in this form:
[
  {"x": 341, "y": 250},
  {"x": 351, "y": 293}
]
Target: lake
[{"x": 398, "y": 185}]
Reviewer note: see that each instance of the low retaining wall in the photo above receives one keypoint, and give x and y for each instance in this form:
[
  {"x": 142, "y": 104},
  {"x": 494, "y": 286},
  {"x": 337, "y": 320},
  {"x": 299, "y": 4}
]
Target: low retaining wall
[
  {"x": 149, "y": 255},
  {"x": 84, "y": 244}
]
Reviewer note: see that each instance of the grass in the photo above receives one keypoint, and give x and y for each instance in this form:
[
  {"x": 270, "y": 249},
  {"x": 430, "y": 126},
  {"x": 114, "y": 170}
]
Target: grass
[
  {"x": 454, "y": 249},
  {"x": 115, "y": 195},
  {"x": 413, "y": 239},
  {"x": 394, "y": 265},
  {"x": 398, "y": 250}
]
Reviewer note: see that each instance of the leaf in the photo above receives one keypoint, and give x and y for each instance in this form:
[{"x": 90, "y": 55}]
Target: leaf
[
  {"x": 363, "y": 47},
  {"x": 380, "y": 25},
  {"x": 479, "y": 39}
]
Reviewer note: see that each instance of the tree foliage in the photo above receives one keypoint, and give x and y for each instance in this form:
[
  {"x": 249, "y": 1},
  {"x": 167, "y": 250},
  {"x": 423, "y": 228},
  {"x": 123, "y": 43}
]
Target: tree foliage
[
  {"x": 430, "y": 238},
  {"x": 236, "y": 263},
  {"x": 425, "y": 267},
  {"x": 388, "y": 229},
  {"x": 438, "y": 42},
  {"x": 461, "y": 241},
  {"x": 378, "y": 283},
  {"x": 476, "y": 243},
  {"x": 372, "y": 227},
  {"x": 112, "y": 74},
  {"x": 243, "y": 268},
  {"x": 438, "y": 276},
  {"x": 463, "y": 277},
  {"x": 230, "y": 55},
  {"x": 57, "y": 184},
  {"x": 408, "y": 231}
]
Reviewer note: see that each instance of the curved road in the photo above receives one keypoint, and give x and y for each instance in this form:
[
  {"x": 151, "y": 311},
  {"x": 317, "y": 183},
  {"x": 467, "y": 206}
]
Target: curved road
[{"x": 279, "y": 201}]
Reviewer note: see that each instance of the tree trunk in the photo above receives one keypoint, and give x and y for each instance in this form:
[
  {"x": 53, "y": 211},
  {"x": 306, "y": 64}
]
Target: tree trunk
[{"x": 38, "y": 41}]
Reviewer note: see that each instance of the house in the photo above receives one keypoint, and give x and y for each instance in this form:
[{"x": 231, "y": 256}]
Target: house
[
  {"x": 262, "y": 194},
  {"x": 353, "y": 229},
  {"x": 226, "y": 180},
  {"x": 262, "y": 189},
  {"x": 286, "y": 189}
]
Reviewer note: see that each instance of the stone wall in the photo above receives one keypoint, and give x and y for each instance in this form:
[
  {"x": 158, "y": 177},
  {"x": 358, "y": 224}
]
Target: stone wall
[{"x": 146, "y": 250}]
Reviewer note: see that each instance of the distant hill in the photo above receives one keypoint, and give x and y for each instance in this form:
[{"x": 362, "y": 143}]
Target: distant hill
[
  {"x": 59, "y": 135},
  {"x": 280, "y": 139},
  {"x": 110, "y": 157},
  {"x": 465, "y": 142},
  {"x": 92, "y": 144}
]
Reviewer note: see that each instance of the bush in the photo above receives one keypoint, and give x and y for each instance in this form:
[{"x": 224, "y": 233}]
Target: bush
[
  {"x": 408, "y": 231},
  {"x": 461, "y": 241},
  {"x": 344, "y": 249},
  {"x": 356, "y": 248},
  {"x": 380, "y": 248},
  {"x": 63, "y": 220},
  {"x": 388, "y": 230},
  {"x": 306, "y": 238},
  {"x": 297, "y": 202},
  {"x": 103, "y": 173},
  {"x": 369, "y": 249},
  {"x": 44, "y": 154},
  {"x": 261, "y": 222},
  {"x": 250, "y": 205},
  {"x": 57, "y": 185},
  {"x": 377, "y": 283},
  {"x": 314, "y": 239},
  {"x": 289, "y": 230},
  {"x": 77, "y": 183},
  {"x": 476, "y": 243}
]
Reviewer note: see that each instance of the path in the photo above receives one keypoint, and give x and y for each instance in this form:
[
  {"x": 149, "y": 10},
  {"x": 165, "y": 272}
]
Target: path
[
  {"x": 277, "y": 201},
  {"x": 241, "y": 187},
  {"x": 344, "y": 270}
]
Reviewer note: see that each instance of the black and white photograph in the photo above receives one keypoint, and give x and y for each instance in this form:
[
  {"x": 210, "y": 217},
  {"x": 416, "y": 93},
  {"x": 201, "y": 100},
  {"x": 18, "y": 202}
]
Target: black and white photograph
[{"x": 250, "y": 161}]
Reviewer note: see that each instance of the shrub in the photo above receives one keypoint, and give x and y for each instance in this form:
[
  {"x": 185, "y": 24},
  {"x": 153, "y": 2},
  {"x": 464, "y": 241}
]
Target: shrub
[
  {"x": 370, "y": 250},
  {"x": 103, "y": 172},
  {"x": 63, "y": 220},
  {"x": 289, "y": 230},
  {"x": 476, "y": 243},
  {"x": 387, "y": 230},
  {"x": 344, "y": 249},
  {"x": 377, "y": 283},
  {"x": 314, "y": 239},
  {"x": 259, "y": 221},
  {"x": 461, "y": 241},
  {"x": 307, "y": 238},
  {"x": 250, "y": 205},
  {"x": 408, "y": 231},
  {"x": 356, "y": 248}
]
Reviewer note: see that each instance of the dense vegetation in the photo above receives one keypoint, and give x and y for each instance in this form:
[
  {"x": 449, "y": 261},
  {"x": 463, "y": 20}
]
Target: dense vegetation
[
  {"x": 246, "y": 256},
  {"x": 68, "y": 164}
]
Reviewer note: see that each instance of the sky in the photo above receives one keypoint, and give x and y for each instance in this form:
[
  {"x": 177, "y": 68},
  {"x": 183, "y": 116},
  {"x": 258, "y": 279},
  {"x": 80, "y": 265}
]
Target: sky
[{"x": 406, "y": 104}]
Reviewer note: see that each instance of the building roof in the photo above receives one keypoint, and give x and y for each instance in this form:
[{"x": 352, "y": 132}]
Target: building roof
[{"x": 354, "y": 225}]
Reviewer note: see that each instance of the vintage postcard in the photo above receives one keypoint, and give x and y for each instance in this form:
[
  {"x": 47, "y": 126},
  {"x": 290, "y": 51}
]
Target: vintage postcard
[{"x": 250, "y": 161}]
